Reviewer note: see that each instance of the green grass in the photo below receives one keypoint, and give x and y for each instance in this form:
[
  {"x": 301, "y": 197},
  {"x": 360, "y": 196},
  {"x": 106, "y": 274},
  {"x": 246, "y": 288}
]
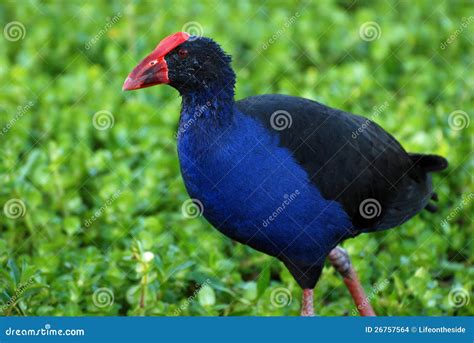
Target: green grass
[{"x": 98, "y": 202}]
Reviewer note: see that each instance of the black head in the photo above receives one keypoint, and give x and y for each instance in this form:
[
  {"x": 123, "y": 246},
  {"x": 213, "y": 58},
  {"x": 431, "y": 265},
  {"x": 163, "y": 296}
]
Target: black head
[{"x": 188, "y": 63}]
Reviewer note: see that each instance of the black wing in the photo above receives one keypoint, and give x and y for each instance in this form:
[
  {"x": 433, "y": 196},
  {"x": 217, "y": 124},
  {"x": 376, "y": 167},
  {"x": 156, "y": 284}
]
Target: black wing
[{"x": 349, "y": 158}]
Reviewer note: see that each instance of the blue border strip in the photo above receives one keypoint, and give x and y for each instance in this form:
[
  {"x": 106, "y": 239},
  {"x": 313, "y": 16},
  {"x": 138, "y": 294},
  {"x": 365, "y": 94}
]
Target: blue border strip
[{"x": 237, "y": 329}]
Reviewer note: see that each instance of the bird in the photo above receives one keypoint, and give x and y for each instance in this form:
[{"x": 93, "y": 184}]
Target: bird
[{"x": 285, "y": 175}]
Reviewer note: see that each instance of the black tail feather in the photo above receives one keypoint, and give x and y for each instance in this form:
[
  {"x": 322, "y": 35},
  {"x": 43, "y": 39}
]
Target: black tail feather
[{"x": 429, "y": 163}]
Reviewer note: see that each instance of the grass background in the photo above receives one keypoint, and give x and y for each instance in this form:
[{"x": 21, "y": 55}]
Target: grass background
[{"x": 70, "y": 62}]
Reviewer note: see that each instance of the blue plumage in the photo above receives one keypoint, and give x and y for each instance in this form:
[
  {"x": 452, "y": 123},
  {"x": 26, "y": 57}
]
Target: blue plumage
[{"x": 237, "y": 169}]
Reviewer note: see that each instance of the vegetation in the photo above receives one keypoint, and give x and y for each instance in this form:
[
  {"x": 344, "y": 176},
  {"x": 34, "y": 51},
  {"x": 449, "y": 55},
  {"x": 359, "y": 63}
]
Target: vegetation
[{"x": 92, "y": 198}]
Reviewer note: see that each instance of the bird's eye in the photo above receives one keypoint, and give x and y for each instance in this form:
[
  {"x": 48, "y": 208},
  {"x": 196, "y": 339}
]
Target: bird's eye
[
  {"x": 152, "y": 63},
  {"x": 182, "y": 53}
]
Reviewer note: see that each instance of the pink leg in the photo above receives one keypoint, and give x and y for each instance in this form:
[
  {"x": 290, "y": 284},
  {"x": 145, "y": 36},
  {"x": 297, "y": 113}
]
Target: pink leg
[
  {"x": 307, "y": 309},
  {"x": 339, "y": 258}
]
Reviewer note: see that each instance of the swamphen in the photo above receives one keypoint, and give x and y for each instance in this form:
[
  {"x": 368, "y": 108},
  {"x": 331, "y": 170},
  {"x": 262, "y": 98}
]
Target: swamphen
[{"x": 285, "y": 175}]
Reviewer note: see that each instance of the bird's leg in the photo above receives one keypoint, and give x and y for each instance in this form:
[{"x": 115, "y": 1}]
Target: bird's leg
[
  {"x": 339, "y": 258},
  {"x": 307, "y": 309}
]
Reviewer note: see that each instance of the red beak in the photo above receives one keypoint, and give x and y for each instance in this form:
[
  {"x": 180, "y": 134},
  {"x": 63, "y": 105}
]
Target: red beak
[
  {"x": 153, "y": 70},
  {"x": 147, "y": 73}
]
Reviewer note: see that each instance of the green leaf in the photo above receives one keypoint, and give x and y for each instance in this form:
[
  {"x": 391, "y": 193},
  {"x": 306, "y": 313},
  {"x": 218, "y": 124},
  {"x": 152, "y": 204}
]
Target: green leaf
[
  {"x": 263, "y": 281},
  {"x": 14, "y": 272},
  {"x": 179, "y": 268}
]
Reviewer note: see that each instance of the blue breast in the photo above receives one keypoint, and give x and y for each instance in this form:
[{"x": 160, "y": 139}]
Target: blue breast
[{"x": 253, "y": 191}]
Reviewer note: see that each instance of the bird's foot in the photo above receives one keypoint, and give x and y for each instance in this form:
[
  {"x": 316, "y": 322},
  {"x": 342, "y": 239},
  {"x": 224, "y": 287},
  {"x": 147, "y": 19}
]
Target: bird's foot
[
  {"x": 307, "y": 309},
  {"x": 339, "y": 258}
]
